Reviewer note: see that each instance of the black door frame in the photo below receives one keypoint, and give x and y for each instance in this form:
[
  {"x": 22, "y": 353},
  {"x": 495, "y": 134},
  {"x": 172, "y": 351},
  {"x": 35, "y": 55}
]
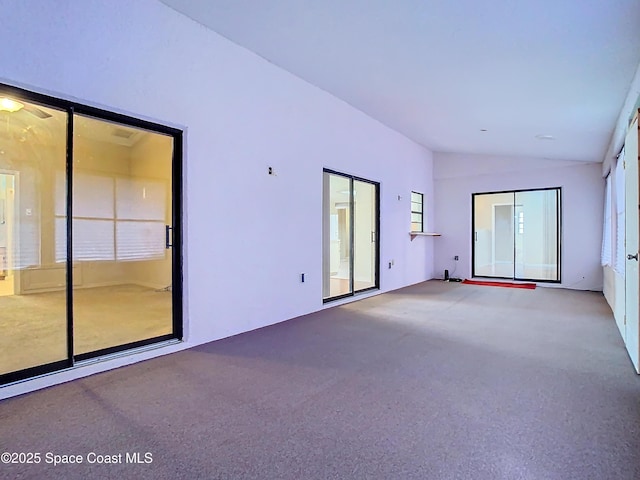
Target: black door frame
[
  {"x": 558, "y": 227},
  {"x": 71, "y": 108}
]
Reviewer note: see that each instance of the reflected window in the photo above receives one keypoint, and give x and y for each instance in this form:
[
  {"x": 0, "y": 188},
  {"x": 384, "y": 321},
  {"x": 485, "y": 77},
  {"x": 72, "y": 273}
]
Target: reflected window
[{"x": 115, "y": 218}]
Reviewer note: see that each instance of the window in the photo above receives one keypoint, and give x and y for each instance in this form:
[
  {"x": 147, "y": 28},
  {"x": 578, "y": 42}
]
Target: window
[
  {"x": 521, "y": 223},
  {"x": 417, "y": 212}
]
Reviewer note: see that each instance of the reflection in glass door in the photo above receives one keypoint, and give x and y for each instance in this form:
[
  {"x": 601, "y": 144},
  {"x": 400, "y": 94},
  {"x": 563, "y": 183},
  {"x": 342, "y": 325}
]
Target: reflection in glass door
[
  {"x": 516, "y": 235},
  {"x": 365, "y": 235},
  {"x": 537, "y": 230},
  {"x": 33, "y": 294},
  {"x": 121, "y": 212},
  {"x": 337, "y": 236},
  {"x": 350, "y": 235},
  {"x": 117, "y": 284}
]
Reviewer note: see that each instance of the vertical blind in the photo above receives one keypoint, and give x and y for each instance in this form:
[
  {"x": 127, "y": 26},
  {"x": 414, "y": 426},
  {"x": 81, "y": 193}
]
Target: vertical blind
[
  {"x": 605, "y": 257},
  {"x": 619, "y": 263},
  {"x": 113, "y": 218}
]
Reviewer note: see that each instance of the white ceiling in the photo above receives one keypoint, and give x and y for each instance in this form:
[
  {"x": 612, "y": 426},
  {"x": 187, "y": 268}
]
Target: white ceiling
[{"x": 440, "y": 71}]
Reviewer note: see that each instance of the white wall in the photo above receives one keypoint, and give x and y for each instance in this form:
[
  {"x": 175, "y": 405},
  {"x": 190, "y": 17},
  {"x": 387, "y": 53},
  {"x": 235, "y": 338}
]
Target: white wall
[
  {"x": 248, "y": 235},
  {"x": 457, "y": 176},
  {"x": 627, "y": 111}
]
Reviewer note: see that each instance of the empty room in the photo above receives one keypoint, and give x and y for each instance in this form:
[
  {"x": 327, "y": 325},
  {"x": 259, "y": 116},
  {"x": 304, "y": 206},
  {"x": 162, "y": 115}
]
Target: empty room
[{"x": 301, "y": 240}]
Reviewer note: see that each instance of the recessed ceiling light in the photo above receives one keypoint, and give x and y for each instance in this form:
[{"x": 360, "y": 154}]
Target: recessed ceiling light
[
  {"x": 545, "y": 137},
  {"x": 483, "y": 129}
]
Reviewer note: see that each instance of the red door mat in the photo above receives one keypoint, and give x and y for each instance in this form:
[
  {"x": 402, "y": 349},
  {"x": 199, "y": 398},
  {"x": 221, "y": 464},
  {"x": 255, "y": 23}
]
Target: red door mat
[{"x": 528, "y": 286}]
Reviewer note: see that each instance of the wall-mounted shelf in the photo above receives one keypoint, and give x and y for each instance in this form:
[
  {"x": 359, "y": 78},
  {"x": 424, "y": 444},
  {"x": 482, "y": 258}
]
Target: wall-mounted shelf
[{"x": 423, "y": 234}]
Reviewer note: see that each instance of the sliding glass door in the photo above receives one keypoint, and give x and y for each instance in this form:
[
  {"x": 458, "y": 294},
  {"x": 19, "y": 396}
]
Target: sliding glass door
[
  {"x": 89, "y": 258},
  {"x": 121, "y": 212},
  {"x": 516, "y": 235},
  {"x": 350, "y": 235},
  {"x": 365, "y": 235},
  {"x": 33, "y": 329}
]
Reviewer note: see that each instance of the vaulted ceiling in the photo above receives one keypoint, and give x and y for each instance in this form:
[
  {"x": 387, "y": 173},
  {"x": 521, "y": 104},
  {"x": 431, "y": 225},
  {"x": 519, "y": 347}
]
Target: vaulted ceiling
[{"x": 541, "y": 78}]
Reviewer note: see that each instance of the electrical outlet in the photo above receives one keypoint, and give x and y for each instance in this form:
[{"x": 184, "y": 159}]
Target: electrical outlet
[
  {"x": 390, "y": 264},
  {"x": 456, "y": 258}
]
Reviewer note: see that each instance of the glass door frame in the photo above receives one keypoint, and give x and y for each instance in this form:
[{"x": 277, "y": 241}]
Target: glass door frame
[
  {"x": 376, "y": 286},
  {"x": 174, "y": 241},
  {"x": 558, "y": 228}
]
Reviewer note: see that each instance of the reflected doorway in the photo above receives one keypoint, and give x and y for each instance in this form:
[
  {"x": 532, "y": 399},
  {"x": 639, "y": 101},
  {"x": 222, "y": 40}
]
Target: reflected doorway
[
  {"x": 8, "y": 229},
  {"x": 502, "y": 252}
]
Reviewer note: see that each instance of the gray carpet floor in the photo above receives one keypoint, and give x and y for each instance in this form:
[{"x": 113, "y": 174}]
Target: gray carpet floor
[{"x": 433, "y": 381}]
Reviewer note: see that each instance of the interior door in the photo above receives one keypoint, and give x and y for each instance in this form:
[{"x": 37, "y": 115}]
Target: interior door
[
  {"x": 503, "y": 240},
  {"x": 632, "y": 290},
  {"x": 7, "y": 233},
  {"x": 519, "y": 252}
]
